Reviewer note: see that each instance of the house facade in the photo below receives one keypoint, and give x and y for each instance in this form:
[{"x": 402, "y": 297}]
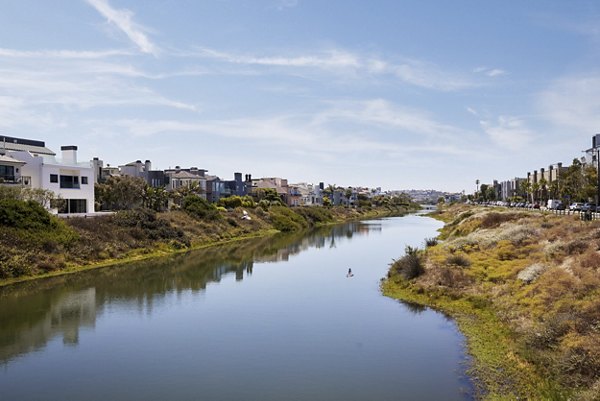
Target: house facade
[{"x": 70, "y": 181}]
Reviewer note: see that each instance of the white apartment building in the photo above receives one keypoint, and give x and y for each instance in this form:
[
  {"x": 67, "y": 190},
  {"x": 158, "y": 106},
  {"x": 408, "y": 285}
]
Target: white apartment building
[{"x": 66, "y": 177}]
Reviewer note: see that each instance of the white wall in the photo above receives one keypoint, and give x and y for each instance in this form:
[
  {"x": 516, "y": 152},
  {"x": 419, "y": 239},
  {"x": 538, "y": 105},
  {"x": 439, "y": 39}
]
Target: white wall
[{"x": 39, "y": 169}]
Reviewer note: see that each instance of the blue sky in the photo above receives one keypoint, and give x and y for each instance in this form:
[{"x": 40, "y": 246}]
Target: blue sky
[{"x": 397, "y": 94}]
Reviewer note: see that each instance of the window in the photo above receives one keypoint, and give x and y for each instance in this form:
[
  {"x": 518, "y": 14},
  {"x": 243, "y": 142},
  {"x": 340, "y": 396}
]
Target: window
[
  {"x": 53, "y": 177},
  {"x": 69, "y": 181},
  {"x": 84, "y": 180},
  {"x": 7, "y": 173}
]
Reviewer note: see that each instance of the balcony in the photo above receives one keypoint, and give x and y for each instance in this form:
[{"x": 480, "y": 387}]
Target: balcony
[{"x": 8, "y": 180}]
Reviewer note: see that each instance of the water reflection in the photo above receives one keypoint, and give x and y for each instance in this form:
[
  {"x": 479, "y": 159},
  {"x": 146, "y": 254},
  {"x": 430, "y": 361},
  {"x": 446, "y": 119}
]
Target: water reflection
[{"x": 34, "y": 313}]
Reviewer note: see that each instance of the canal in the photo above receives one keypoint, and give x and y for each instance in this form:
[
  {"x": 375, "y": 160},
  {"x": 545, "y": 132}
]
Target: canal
[{"x": 268, "y": 319}]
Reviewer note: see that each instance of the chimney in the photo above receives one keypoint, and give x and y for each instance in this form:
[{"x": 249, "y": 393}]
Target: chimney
[
  {"x": 69, "y": 154},
  {"x": 147, "y": 166}
]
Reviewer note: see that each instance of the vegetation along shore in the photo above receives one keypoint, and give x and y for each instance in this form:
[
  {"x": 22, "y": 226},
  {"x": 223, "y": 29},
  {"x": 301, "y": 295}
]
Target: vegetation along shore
[
  {"x": 34, "y": 243},
  {"x": 524, "y": 288}
]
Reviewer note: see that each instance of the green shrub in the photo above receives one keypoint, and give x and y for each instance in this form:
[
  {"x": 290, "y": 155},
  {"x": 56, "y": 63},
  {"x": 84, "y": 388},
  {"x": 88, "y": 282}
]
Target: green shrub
[
  {"x": 285, "y": 219},
  {"x": 315, "y": 215},
  {"x": 409, "y": 266},
  {"x": 143, "y": 224},
  {"x": 458, "y": 260},
  {"x": 25, "y": 215},
  {"x": 200, "y": 208},
  {"x": 429, "y": 242}
]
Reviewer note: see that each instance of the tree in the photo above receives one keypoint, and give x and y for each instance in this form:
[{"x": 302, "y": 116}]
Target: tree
[
  {"x": 348, "y": 194},
  {"x": 490, "y": 193},
  {"x": 535, "y": 188},
  {"x": 483, "y": 192},
  {"x": 573, "y": 182},
  {"x": 120, "y": 193},
  {"x": 526, "y": 190},
  {"x": 543, "y": 196},
  {"x": 156, "y": 199},
  {"x": 270, "y": 195}
]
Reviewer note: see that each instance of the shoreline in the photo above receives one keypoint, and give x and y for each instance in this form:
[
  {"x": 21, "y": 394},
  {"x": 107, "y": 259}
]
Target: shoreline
[
  {"x": 140, "y": 254},
  {"x": 503, "y": 366}
]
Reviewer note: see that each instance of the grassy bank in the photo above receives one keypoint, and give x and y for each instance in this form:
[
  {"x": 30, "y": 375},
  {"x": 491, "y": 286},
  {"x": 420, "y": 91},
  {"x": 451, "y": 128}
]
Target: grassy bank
[
  {"x": 523, "y": 288},
  {"x": 34, "y": 244}
]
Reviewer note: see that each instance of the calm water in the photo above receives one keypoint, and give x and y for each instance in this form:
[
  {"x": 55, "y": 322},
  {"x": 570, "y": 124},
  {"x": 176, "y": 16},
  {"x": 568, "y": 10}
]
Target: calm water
[{"x": 271, "y": 319}]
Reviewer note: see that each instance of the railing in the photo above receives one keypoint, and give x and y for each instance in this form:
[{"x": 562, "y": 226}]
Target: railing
[
  {"x": 23, "y": 181},
  {"x": 583, "y": 215}
]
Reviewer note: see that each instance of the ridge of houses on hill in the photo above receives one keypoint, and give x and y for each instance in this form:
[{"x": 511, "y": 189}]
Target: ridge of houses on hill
[{"x": 29, "y": 163}]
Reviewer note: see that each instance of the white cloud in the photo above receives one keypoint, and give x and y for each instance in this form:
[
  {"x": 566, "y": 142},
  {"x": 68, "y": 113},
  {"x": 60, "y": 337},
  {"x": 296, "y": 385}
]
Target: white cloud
[
  {"x": 381, "y": 113},
  {"x": 490, "y": 72},
  {"x": 123, "y": 20},
  {"x": 472, "y": 111},
  {"x": 325, "y": 60},
  {"x": 62, "y": 54},
  {"x": 338, "y": 61},
  {"x": 372, "y": 128},
  {"x": 573, "y": 103},
  {"x": 429, "y": 76},
  {"x": 509, "y": 132}
]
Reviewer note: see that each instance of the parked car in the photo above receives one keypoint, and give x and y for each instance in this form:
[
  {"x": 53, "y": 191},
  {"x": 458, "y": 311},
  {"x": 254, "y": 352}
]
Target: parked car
[
  {"x": 553, "y": 204},
  {"x": 586, "y": 207},
  {"x": 576, "y": 206}
]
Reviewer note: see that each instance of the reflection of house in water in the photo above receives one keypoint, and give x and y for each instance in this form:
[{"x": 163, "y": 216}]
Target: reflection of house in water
[{"x": 66, "y": 314}]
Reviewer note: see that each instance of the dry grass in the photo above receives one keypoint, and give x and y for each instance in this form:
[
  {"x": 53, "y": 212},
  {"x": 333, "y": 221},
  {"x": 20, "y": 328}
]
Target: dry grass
[{"x": 540, "y": 274}]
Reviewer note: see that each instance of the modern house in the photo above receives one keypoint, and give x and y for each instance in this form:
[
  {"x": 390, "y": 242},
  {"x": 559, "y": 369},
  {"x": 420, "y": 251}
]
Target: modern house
[
  {"x": 280, "y": 185},
  {"x": 310, "y": 194},
  {"x": 154, "y": 178},
  {"x": 38, "y": 167},
  {"x": 192, "y": 177}
]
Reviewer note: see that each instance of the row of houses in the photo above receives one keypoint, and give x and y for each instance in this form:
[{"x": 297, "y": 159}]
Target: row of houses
[
  {"x": 29, "y": 163},
  {"x": 545, "y": 177}
]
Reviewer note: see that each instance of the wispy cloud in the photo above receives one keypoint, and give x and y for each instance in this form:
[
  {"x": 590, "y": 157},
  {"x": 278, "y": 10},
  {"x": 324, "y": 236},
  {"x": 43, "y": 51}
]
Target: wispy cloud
[
  {"x": 490, "y": 72},
  {"x": 509, "y": 132},
  {"x": 62, "y": 54},
  {"x": 326, "y": 60},
  {"x": 572, "y": 103},
  {"x": 123, "y": 20},
  {"x": 339, "y": 62},
  {"x": 383, "y": 114},
  {"x": 344, "y": 128}
]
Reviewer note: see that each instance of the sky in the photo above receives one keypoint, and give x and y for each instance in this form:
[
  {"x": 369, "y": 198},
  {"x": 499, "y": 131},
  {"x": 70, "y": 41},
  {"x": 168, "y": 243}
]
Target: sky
[{"x": 392, "y": 94}]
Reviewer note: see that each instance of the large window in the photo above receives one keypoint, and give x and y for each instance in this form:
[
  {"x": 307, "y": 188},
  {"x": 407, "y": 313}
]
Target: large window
[
  {"x": 70, "y": 205},
  {"x": 69, "y": 181},
  {"x": 7, "y": 173}
]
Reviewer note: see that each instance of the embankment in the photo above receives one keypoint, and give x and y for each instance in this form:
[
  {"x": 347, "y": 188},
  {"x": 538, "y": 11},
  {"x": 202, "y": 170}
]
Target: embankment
[
  {"x": 524, "y": 289},
  {"x": 34, "y": 244}
]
